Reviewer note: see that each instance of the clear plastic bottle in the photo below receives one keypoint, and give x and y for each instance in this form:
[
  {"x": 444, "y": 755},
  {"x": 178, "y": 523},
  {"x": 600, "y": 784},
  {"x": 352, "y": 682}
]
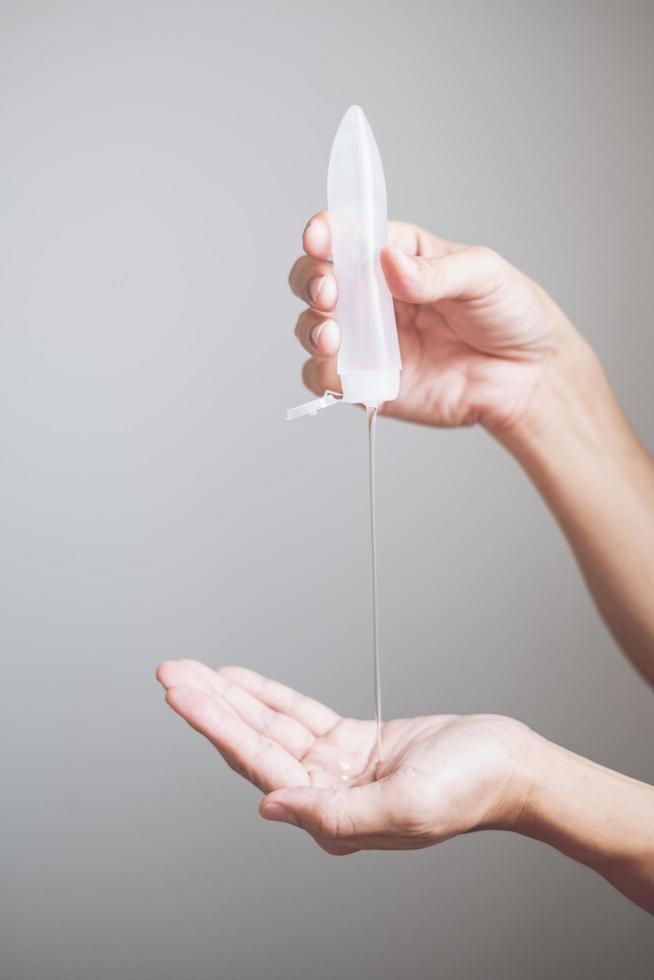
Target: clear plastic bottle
[{"x": 369, "y": 357}]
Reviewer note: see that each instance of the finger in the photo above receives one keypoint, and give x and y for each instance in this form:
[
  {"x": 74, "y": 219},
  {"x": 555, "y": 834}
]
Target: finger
[
  {"x": 317, "y": 717},
  {"x": 333, "y": 815},
  {"x": 191, "y": 673},
  {"x": 288, "y": 732},
  {"x": 313, "y": 281},
  {"x": 252, "y": 755},
  {"x": 320, "y": 336},
  {"x": 320, "y": 375},
  {"x": 317, "y": 237},
  {"x": 468, "y": 274},
  {"x": 413, "y": 240},
  {"x": 317, "y": 242}
]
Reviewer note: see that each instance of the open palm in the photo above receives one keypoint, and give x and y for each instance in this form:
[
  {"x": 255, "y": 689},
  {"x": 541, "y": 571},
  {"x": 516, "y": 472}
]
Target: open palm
[
  {"x": 439, "y": 775},
  {"x": 475, "y": 333}
]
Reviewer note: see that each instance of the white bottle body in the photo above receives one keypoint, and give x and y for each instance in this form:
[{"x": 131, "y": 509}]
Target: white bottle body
[{"x": 369, "y": 361}]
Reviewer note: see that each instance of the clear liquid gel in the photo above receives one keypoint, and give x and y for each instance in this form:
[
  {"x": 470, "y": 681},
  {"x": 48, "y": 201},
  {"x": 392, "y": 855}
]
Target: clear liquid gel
[{"x": 372, "y": 426}]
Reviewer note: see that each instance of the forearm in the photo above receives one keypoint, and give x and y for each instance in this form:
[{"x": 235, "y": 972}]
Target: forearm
[
  {"x": 598, "y": 480},
  {"x": 593, "y": 815}
]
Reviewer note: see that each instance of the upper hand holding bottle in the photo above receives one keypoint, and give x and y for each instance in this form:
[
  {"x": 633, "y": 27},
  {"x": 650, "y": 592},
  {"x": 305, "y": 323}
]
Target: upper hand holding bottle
[
  {"x": 476, "y": 335},
  {"x": 481, "y": 342}
]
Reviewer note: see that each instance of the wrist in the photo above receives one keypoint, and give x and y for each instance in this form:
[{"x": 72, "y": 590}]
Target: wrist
[
  {"x": 594, "y": 815},
  {"x": 572, "y": 431},
  {"x": 516, "y": 778},
  {"x": 570, "y": 401},
  {"x": 520, "y": 802}
]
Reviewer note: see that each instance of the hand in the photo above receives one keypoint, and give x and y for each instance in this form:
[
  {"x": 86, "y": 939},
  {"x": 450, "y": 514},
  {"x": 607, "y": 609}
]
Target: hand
[
  {"x": 440, "y": 776},
  {"x": 476, "y": 335}
]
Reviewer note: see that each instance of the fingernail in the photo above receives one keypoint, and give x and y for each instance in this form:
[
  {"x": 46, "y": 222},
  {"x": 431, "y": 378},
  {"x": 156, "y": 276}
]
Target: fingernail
[
  {"x": 314, "y": 288},
  {"x": 315, "y": 333},
  {"x": 275, "y": 811}
]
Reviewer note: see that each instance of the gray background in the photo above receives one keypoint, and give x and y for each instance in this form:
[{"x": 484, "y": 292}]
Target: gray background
[{"x": 158, "y": 163}]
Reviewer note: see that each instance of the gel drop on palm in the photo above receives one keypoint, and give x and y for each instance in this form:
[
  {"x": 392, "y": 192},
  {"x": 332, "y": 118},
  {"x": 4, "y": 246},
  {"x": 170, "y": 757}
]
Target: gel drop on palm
[{"x": 368, "y": 361}]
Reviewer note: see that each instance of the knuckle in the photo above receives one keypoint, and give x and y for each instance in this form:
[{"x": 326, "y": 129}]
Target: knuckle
[
  {"x": 435, "y": 272},
  {"x": 483, "y": 252},
  {"x": 489, "y": 261}
]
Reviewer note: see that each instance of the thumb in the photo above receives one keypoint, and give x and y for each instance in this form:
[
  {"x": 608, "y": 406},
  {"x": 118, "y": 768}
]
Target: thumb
[
  {"x": 331, "y": 814},
  {"x": 471, "y": 273}
]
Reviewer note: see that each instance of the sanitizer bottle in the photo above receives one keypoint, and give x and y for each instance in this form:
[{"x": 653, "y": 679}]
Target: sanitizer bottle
[{"x": 369, "y": 357}]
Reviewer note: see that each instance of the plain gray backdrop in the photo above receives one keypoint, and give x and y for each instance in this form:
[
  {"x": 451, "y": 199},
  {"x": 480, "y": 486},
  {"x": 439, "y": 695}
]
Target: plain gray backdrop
[{"x": 158, "y": 163}]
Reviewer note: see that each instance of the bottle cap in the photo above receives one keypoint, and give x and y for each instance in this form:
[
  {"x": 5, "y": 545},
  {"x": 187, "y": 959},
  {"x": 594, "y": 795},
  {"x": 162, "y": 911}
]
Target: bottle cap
[{"x": 310, "y": 408}]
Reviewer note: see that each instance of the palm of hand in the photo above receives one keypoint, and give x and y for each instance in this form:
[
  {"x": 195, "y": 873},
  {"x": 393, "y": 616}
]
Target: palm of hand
[{"x": 441, "y": 775}]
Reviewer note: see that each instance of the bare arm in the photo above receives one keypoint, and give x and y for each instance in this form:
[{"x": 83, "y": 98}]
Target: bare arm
[
  {"x": 593, "y": 815},
  {"x": 598, "y": 480}
]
